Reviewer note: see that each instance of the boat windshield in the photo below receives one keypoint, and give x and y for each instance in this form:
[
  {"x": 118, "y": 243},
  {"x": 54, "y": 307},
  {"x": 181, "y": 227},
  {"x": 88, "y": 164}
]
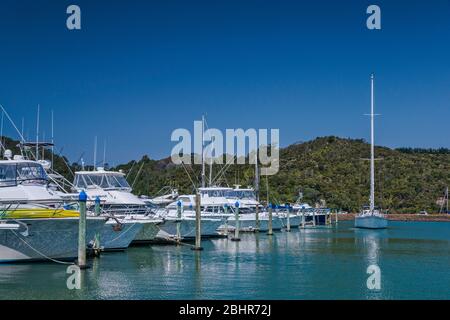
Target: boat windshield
[
  {"x": 104, "y": 181},
  {"x": 241, "y": 194},
  {"x": 12, "y": 174},
  {"x": 214, "y": 192}
]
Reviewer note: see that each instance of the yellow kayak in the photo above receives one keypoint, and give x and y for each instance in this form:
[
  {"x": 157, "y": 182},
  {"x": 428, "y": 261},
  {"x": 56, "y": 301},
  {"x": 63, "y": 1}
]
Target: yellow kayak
[{"x": 38, "y": 213}]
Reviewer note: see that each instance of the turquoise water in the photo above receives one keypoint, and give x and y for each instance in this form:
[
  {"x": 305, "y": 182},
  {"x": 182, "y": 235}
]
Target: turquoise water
[{"x": 322, "y": 263}]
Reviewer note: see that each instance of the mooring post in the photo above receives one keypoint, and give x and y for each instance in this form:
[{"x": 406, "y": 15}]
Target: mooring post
[
  {"x": 257, "y": 216},
  {"x": 336, "y": 216},
  {"x": 270, "y": 219},
  {"x": 97, "y": 206},
  {"x": 314, "y": 217},
  {"x": 225, "y": 208},
  {"x": 303, "y": 217},
  {"x": 288, "y": 221},
  {"x": 178, "y": 220},
  {"x": 97, "y": 212},
  {"x": 198, "y": 236},
  {"x": 236, "y": 219},
  {"x": 82, "y": 198}
]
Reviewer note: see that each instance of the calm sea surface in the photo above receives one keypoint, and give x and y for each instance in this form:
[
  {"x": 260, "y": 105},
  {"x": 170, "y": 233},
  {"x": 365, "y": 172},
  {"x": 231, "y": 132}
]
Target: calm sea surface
[{"x": 322, "y": 263}]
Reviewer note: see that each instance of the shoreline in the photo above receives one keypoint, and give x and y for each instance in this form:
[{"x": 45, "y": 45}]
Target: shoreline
[{"x": 402, "y": 217}]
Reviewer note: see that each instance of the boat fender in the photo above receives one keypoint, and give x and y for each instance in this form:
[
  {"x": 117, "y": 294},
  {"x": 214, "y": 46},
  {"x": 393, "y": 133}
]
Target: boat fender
[{"x": 117, "y": 227}]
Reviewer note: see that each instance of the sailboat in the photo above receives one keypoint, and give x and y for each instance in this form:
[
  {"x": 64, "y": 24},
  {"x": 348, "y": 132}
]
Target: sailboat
[{"x": 371, "y": 217}]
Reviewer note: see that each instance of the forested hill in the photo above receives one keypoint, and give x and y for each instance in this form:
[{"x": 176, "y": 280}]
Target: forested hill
[{"x": 329, "y": 169}]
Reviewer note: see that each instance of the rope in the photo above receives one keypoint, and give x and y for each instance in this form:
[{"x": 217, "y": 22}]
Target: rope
[
  {"x": 121, "y": 233},
  {"x": 40, "y": 253}
]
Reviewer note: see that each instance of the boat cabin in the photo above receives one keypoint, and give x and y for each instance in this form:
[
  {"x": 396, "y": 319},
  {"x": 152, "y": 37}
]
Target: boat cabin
[
  {"x": 101, "y": 179},
  {"x": 20, "y": 172}
]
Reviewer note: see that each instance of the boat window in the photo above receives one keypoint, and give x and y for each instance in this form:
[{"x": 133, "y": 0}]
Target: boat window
[
  {"x": 30, "y": 171},
  {"x": 79, "y": 182},
  {"x": 241, "y": 194},
  {"x": 214, "y": 193},
  {"x": 231, "y": 194},
  {"x": 116, "y": 181},
  {"x": 210, "y": 209},
  {"x": 184, "y": 200},
  {"x": 104, "y": 181},
  {"x": 7, "y": 175}
]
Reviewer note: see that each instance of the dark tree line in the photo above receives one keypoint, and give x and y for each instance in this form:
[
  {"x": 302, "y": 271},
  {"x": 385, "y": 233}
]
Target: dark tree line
[{"x": 328, "y": 169}]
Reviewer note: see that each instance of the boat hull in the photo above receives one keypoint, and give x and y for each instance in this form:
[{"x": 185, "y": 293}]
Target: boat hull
[
  {"x": 294, "y": 221},
  {"x": 113, "y": 238},
  {"x": 148, "y": 233},
  {"x": 370, "y": 222},
  {"x": 208, "y": 228},
  {"x": 41, "y": 239},
  {"x": 247, "y": 223}
]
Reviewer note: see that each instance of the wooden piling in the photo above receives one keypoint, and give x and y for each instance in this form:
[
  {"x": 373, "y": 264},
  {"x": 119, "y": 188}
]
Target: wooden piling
[
  {"x": 178, "y": 221},
  {"x": 82, "y": 198},
  {"x": 270, "y": 220},
  {"x": 257, "y": 217},
  {"x": 226, "y": 219},
  {"x": 198, "y": 235},
  {"x": 303, "y": 218},
  {"x": 288, "y": 221},
  {"x": 236, "y": 224},
  {"x": 97, "y": 206}
]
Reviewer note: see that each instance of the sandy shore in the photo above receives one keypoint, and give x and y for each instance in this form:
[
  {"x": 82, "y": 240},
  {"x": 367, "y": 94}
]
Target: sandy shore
[{"x": 403, "y": 217}]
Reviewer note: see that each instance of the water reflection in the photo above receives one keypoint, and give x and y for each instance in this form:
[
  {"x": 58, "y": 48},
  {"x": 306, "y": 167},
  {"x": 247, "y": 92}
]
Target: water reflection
[
  {"x": 370, "y": 242},
  {"x": 320, "y": 263}
]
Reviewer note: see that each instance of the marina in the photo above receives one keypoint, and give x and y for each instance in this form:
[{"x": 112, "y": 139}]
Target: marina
[
  {"x": 218, "y": 151},
  {"x": 198, "y": 241},
  {"x": 321, "y": 263}
]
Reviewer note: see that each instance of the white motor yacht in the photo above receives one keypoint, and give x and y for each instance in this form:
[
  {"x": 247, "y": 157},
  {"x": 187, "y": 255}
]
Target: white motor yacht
[
  {"x": 133, "y": 220},
  {"x": 34, "y": 224}
]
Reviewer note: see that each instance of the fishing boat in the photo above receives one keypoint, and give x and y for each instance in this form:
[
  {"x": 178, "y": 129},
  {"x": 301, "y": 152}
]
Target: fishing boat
[
  {"x": 34, "y": 239},
  {"x": 371, "y": 217},
  {"x": 34, "y": 225},
  {"x": 286, "y": 211},
  {"x": 247, "y": 212},
  {"x": 248, "y": 222},
  {"x": 132, "y": 220},
  {"x": 213, "y": 214},
  {"x": 163, "y": 198}
]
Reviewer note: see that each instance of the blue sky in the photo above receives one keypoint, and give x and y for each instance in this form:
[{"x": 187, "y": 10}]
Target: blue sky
[{"x": 139, "y": 69}]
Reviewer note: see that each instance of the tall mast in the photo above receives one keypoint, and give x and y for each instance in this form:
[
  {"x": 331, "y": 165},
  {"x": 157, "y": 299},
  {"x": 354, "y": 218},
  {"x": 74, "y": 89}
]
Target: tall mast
[
  {"x": 37, "y": 133},
  {"x": 104, "y": 153},
  {"x": 1, "y": 132},
  {"x": 256, "y": 175},
  {"x": 53, "y": 140},
  {"x": 43, "y": 149},
  {"x": 211, "y": 163},
  {"x": 210, "y": 170},
  {"x": 95, "y": 152},
  {"x": 203, "y": 153},
  {"x": 23, "y": 130},
  {"x": 372, "y": 150}
]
